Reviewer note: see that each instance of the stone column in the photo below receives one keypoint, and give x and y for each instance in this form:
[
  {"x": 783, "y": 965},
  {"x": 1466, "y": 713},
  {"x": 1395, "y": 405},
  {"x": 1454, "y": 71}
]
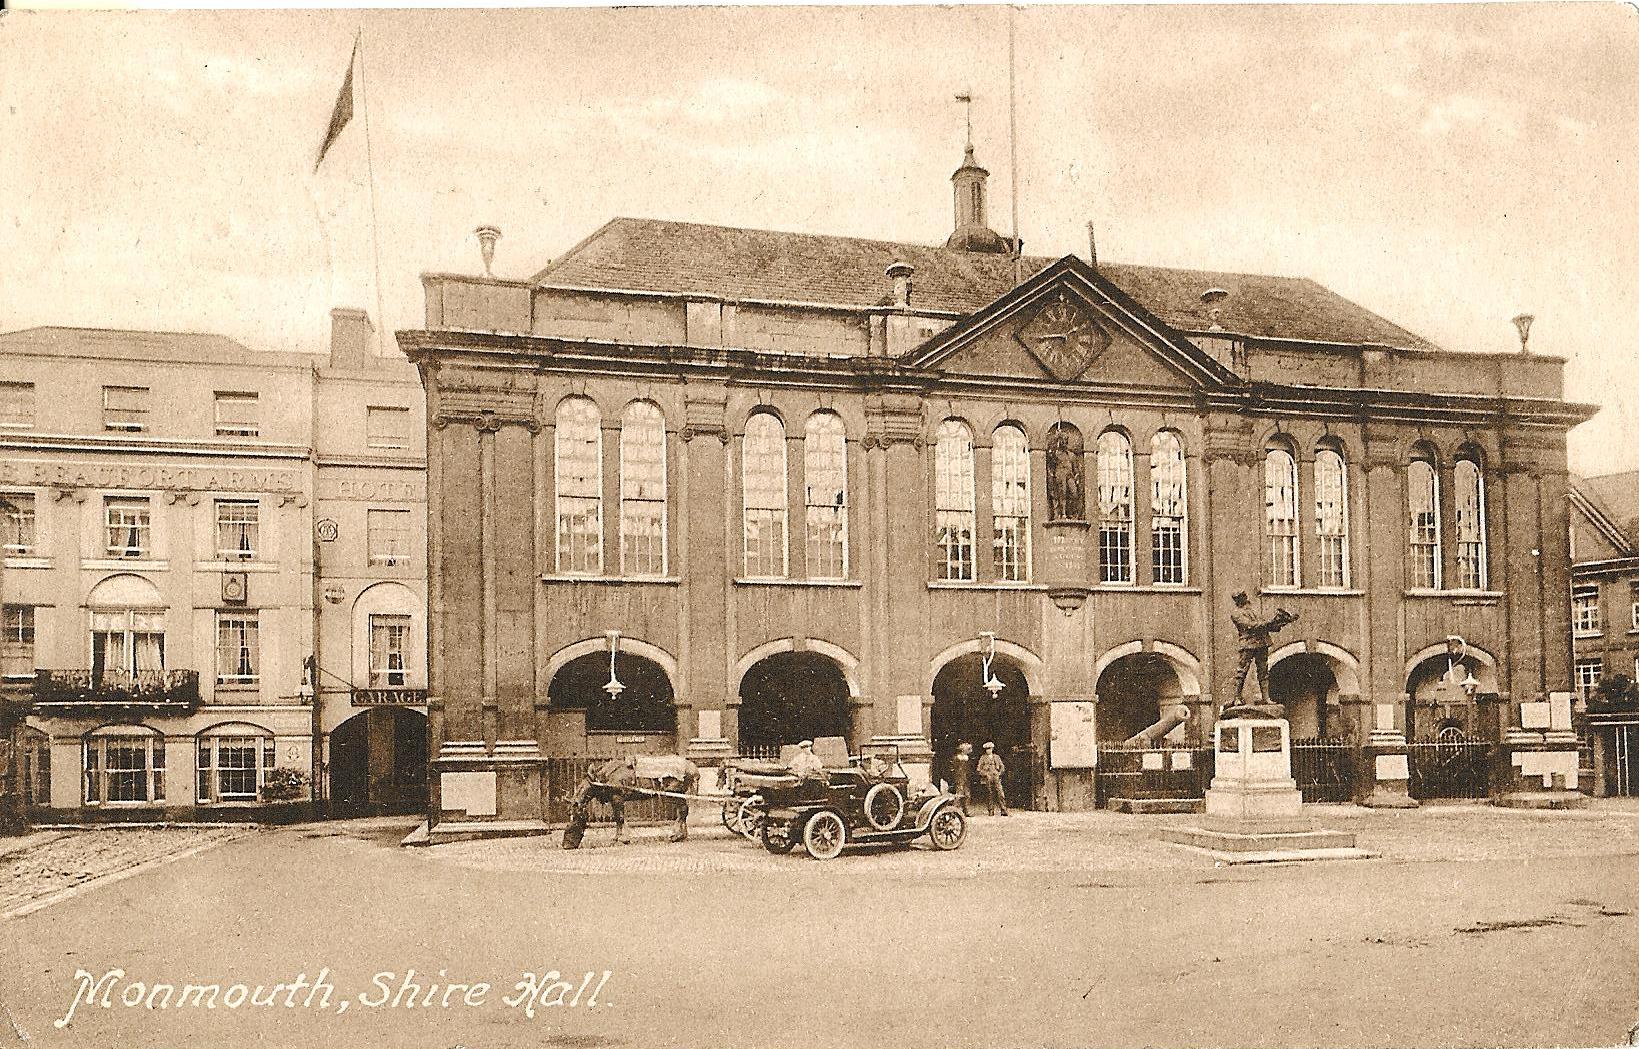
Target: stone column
[
  {"x": 708, "y": 715},
  {"x": 1385, "y": 771}
]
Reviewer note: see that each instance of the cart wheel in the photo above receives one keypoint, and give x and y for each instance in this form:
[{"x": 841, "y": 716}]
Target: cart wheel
[
  {"x": 948, "y": 828},
  {"x": 749, "y": 819},
  {"x": 825, "y": 835},
  {"x": 777, "y": 836},
  {"x": 731, "y": 814},
  {"x": 884, "y": 806}
]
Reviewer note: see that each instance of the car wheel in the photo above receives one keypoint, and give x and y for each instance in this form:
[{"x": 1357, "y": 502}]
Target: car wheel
[
  {"x": 731, "y": 816},
  {"x": 825, "y": 835},
  {"x": 777, "y": 836},
  {"x": 749, "y": 819},
  {"x": 948, "y": 828},
  {"x": 884, "y": 806}
]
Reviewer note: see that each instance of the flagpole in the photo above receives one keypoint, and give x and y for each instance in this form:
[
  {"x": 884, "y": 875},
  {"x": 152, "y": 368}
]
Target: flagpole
[
  {"x": 370, "y": 169},
  {"x": 1013, "y": 152}
]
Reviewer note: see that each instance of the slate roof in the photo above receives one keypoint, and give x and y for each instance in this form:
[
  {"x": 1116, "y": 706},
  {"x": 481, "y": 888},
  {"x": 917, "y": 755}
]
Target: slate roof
[
  {"x": 685, "y": 257},
  {"x": 1617, "y": 497},
  {"x": 119, "y": 343}
]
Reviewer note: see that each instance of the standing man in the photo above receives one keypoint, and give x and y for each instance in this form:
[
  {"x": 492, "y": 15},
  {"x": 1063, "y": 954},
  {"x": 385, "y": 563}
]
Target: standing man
[
  {"x": 961, "y": 774},
  {"x": 991, "y": 771},
  {"x": 1252, "y": 631}
]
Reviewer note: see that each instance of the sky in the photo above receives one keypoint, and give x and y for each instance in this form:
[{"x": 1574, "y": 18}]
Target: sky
[{"x": 1447, "y": 167}]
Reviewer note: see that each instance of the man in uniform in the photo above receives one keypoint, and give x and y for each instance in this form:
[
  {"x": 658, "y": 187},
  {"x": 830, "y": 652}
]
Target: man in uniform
[
  {"x": 1252, "y": 632},
  {"x": 991, "y": 770},
  {"x": 805, "y": 764}
]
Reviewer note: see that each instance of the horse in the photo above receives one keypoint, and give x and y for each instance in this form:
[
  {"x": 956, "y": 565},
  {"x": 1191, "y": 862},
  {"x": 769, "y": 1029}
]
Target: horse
[{"x": 612, "y": 781}]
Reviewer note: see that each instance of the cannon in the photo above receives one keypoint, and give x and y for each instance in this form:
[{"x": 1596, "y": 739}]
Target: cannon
[{"x": 1170, "y": 720}]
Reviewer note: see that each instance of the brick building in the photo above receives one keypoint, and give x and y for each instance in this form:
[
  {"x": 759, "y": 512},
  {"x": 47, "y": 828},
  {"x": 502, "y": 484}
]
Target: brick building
[
  {"x": 163, "y": 590},
  {"x": 780, "y": 485},
  {"x": 1605, "y": 628}
]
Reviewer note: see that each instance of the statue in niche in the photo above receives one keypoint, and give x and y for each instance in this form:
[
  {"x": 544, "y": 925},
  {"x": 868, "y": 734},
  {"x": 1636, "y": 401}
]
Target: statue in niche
[{"x": 1066, "y": 483}]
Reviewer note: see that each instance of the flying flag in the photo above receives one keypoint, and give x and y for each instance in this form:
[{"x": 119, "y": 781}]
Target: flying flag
[{"x": 344, "y": 107}]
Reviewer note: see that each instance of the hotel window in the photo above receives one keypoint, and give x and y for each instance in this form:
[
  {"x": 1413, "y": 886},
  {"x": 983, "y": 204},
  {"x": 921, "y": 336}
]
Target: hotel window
[
  {"x": 1585, "y": 618},
  {"x": 129, "y": 526},
  {"x": 1115, "y": 508},
  {"x": 16, "y": 405},
  {"x": 17, "y": 523},
  {"x": 578, "y": 464},
  {"x": 1470, "y": 499},
  {"x": 1280, "y": 516},
  {"x": 1010, "y": 504},
  {"x": 1169, "y": 501},
  {"x": 127, "y": 645},
  {"x": 237, "y": 525},
  {"x": 762, "y": 474},
  {"x": 124, "y": 765},
  {"x": 1588, "y": 673},
  {"x": 386, "y": 427},
  {"x": 953, "y": 513},
  {"x": 825, "y": 476},
  {"x": 238, "y": 648},
  {"x": 389, "y": 647},
  {"x": 230, "y": 768},
  {"x": 1423, "y": 499},
  {"x": 642, "y": 490},
  {"x": 237, "y": 415},
  {"x": 387, "y": 537},
  {"x": 17, "y": 642},
  {"x": 125, "y": 408},
  {"x": 1332, "y": 518}
]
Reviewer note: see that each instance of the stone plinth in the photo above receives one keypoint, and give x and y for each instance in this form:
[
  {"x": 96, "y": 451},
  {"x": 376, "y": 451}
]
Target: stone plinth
[{"x": 1254, "y": 810}]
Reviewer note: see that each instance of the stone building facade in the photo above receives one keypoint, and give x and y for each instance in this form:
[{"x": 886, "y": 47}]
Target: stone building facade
[
  {"x": 711, "y": 490},
  {"x": 161, "y": 591},
  {"x": 1604, "y": 512}
]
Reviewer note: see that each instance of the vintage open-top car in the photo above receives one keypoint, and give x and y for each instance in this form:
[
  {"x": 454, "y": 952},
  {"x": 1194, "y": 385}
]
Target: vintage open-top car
[{"x": 870, "y": 802}]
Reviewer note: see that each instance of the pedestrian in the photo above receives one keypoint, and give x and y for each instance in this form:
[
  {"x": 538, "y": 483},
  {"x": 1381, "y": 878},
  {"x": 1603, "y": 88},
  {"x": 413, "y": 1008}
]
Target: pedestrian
[
  {"x": 991, "y": 769},
  {"x": 961, "y": 775},
  {"x": 805, "y": 764}
]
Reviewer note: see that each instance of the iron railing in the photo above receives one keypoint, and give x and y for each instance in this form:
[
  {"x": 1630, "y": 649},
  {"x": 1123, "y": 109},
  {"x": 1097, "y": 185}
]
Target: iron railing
[
  {"x": 1324, "y": 768},
  {"x": 1449, "y": 768},
  {"x": 1139, "y": 772},
  {"x": 73, "y": 692}
]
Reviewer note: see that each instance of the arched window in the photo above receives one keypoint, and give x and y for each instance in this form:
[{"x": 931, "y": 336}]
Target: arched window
[
  {"x": 1280, "y": 515},
  {"x": 1169, "y": 501},
  {"x": 1469, "y": 488},
  {"x": 578, "y": 469},
  {"x": 231, "y": 762},
  {"x": 953, "y": 501},
  {"x": 642, "y": 490},
  {"x": 762, "y": 475},
  {"x": 1423, "y": 519},
  {"x": 124, "y": 764},
  {"x": 1115, "y": 507},
  {"x": 1010, "y": 503},
  {"x": 1332, "y": 518},
  {"x": 825, "y": 478}
]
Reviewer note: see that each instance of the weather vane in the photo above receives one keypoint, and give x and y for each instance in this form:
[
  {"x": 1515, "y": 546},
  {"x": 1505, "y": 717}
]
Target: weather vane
[{"x": 966, "y": 98}]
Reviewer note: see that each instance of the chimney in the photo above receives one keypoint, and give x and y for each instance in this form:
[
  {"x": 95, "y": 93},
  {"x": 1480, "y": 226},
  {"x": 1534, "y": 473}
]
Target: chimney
[
  {"x": 1092, "y": 246},
  {"x": 900, "y": 274},
  {"x": 351, "y": 335}
]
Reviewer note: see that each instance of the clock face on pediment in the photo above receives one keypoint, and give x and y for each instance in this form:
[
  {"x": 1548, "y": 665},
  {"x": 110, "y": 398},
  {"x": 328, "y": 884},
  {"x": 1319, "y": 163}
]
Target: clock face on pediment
[{"x": 1064, "y": 337}]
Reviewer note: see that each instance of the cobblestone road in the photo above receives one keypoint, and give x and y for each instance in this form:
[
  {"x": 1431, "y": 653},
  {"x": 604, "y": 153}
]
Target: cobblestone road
[
  {"x": 45, "y": 863},
  {"x": 1032, "y": 842}
]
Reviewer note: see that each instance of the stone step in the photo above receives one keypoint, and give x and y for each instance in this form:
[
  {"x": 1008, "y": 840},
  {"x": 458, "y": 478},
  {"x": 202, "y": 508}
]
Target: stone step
[
  {"x": 1156, "y": 806},
  {"x": 1252, "y": 841}
]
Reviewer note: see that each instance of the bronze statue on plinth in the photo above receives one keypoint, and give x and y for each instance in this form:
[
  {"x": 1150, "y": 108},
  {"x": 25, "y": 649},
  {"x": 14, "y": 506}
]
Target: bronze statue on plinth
[{"x": 1254, "y": 631}]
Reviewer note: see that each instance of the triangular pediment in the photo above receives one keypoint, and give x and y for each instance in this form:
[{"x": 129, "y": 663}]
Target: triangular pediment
[{"x": 1070, "y": 324}]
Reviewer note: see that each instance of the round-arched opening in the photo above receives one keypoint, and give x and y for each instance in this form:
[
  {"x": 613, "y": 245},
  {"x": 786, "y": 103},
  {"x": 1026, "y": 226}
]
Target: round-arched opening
[
  {"x": 788, "y": 697},
  {"x": 643, "y": 703},
  {"x": 1133, "y": 693},
  {"x": 1438, "y": 698},
  {"x": 378, "y": 762},
  {"x": 964, "y": 711},
  {"x": 1306, "y": 686}
]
